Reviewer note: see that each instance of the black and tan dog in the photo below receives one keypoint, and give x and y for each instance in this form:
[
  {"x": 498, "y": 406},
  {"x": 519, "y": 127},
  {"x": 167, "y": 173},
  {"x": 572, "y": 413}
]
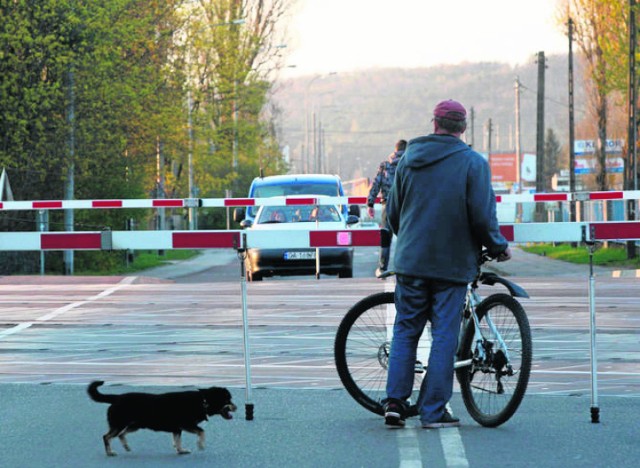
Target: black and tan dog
[{"x": 168, "y": 412}]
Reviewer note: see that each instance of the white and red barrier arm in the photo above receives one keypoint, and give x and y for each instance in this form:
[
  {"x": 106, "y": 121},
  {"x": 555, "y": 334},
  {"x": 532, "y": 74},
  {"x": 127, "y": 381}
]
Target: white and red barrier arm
[
  {"x": 119, "y": 240},
  {"x": 169, "y": 240},
  {"x": 175, "y": 203},
  {"x": 282, "y": 239},
  {"x": 277, "y": 201}
]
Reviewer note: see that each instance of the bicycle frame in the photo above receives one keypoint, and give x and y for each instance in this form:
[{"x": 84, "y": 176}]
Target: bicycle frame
[
  {"x": 469, "y": 315},
  {"x": 472, "y": 300}
]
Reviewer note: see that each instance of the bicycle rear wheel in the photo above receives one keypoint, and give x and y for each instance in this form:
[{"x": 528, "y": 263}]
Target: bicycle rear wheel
[
  {"x": 361, "y": 351},
  {"x": 493, "y": 386}
]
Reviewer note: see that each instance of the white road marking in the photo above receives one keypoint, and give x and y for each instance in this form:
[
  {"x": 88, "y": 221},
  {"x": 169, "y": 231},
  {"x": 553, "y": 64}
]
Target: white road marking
[
  {"x": 15, "y": 329},
  {"x": 23, "y": 326},
  {"x": 453, "y": 448},
  {"x": 409, "y": 447}
]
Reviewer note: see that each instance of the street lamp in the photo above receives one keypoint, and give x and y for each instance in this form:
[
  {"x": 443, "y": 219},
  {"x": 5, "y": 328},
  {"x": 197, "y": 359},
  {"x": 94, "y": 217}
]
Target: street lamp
[
  {"x": 234, "y": 159},
  {"x": 307, "y": 121}
]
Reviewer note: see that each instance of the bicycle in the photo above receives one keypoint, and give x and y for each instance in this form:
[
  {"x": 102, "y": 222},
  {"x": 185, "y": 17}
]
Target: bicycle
[{"x": 493, "y": 359}]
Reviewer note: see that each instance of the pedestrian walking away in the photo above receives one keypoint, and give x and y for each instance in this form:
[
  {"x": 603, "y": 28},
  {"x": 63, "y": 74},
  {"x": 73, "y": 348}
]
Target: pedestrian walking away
[
  {"x": 443, "y": 211},
  {"x": 382, "y": 185}
]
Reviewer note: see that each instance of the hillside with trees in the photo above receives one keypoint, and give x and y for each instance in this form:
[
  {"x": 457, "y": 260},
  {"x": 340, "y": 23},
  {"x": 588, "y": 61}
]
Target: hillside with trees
[{"x": 360, "y": 115}]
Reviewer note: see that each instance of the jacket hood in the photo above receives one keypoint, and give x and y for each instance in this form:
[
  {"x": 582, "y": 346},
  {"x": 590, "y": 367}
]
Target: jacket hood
[{"x": 431, "y": 149}]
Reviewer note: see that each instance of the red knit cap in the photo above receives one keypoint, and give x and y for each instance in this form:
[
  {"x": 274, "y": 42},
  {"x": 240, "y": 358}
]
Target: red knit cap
[{"x": 451, "y": 110}]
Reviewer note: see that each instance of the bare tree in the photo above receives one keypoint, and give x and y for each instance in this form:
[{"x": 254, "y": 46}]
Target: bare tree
[{"x": 592, "y": 26}]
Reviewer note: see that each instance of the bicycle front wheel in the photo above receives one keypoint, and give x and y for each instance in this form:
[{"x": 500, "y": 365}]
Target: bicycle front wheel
[
  {"x": 494, "y": 385},
  {"x": 361, "y": 351}
]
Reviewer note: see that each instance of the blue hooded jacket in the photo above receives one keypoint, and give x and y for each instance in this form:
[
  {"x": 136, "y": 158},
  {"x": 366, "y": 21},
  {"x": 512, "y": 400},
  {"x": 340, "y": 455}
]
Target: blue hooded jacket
[{"x": 443, "y": 210}]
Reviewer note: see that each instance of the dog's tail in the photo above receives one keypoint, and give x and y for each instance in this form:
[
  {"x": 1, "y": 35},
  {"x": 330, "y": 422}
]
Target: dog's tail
[{"x": 95, "y": 395}]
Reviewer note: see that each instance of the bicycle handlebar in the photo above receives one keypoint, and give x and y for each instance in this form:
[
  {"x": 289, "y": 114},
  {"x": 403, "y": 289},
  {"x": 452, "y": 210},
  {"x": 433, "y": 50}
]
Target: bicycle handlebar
[{"x": 485, "y": 257}]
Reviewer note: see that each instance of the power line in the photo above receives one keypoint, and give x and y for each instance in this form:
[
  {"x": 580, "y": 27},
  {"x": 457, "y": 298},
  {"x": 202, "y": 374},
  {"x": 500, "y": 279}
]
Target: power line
[{"x": 546, "y": 98}]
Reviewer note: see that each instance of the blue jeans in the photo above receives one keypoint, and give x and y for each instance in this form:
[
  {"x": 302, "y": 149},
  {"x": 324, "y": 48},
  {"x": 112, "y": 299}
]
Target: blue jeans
[{"x": 418, "y": 300}]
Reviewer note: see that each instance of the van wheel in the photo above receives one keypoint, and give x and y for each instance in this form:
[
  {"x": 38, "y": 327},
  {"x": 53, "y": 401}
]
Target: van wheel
[
  {"x": 346, "y": 273},
  {"x": 257, "y": 276}
]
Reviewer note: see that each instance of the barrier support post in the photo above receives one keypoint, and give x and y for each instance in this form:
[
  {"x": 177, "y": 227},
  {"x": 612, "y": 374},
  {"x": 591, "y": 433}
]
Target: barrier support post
[
  {"x": 317, "y": 248},
  {"x": 106, "y": 239},
  {"x": 242, "y": 254},
  {"x": 595, "y": 409}
]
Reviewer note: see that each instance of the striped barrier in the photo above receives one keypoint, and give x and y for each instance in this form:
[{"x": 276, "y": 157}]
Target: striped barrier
[
  {"x": 274, "y": 201},
  {"x": 284, "y": 238}
]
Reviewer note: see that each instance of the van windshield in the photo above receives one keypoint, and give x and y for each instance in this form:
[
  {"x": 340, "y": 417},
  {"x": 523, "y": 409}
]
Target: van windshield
[
  {"x": 298, "y": 214},
  {"x": 286, "y": 190},
  {"x": 296, "y": 189}
]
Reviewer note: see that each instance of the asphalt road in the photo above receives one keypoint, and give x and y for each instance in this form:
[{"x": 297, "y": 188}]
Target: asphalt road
[
  {"x": 227, "y": 267},
  {"x": 154, "y": 333},
  {"x": 46, "y": 426}
]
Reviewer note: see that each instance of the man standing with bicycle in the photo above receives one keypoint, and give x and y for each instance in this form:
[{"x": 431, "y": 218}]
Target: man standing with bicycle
[{"x": 443, "y": 210}]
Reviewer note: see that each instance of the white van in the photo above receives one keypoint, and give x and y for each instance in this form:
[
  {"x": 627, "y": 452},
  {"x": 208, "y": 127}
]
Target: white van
[{"x": 294, "y": 184}]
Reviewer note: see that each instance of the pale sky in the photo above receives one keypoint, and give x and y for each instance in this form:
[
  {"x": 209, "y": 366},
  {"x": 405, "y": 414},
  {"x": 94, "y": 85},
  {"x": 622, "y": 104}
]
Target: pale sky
[{"x": 343, "y": 35}]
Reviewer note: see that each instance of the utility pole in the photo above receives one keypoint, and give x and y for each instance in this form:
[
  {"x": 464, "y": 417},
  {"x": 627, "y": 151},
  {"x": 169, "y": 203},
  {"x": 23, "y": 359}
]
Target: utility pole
[
  {"x": 191, "y": 212},
  {"x": 323, "y": 153},
  {"x": 518, "y": 147},
  {"x": 631, "y": 179},
  {"x": 307, "y": 143},
  {"x": 540, "y": 182},
  {"x": 518, "y": 151},
  {"x": 160, "y": 193},
  {"x": 315, "y": 144},
  {"x": 489, "y": 131},
  {"x": 572, "y": 136},
  {"x": 70, "y": 184},
  {"x": 540, "y": 170},
  {"x": 320, "y": 145},
  {"x": 472, "y": 118},
  {"x": 234, "y": 159}
]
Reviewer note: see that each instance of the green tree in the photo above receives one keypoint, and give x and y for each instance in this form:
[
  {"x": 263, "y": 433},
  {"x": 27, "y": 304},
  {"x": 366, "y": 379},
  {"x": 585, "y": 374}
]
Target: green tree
[
  {"x": 92, "y": 77},
  {"x": 99, "y": 89},
  {"x": 232, "y": 48}
]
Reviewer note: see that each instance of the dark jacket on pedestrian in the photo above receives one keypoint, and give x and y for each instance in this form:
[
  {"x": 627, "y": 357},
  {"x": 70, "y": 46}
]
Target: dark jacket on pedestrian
[
  {"x": 384, "y": 178},
  {"x": 442, "y": 193}
]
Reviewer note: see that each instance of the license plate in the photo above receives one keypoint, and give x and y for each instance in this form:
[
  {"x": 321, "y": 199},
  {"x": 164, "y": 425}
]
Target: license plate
[{"x": 300, "y": 255}]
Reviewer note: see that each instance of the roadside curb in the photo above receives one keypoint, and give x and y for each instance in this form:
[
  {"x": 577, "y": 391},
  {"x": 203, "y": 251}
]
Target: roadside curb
[{"x": 625, "y": 274}]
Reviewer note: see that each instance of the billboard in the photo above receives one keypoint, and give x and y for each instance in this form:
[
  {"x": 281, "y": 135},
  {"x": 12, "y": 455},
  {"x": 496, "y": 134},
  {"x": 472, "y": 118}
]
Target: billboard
[
  {"x": 590, "y": 165},
  {"x": 586, "y": 163},
  {"x": 503, "y": 167},
  {"x": 585, "y": 147}
]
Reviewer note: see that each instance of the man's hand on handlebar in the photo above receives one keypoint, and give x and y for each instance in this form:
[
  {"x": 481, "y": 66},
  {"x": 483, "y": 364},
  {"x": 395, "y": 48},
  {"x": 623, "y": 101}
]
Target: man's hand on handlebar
[{"x": 504, "y": 256}]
